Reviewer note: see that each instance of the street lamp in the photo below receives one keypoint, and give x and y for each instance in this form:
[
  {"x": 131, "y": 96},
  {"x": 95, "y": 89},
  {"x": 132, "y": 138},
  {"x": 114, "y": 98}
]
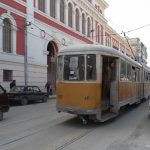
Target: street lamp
[{"x": 26, "y": 52}]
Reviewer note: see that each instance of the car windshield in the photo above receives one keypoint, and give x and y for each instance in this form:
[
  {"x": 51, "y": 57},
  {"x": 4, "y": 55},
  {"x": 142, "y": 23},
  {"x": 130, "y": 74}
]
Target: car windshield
[{"x": 17, "y": 89}]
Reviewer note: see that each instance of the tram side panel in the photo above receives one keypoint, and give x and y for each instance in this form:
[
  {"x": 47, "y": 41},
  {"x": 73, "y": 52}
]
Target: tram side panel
[
  {"x": 127, "y": 93},
  {"x": 146, "y": 83},
  {"x": 146, "y": 89}
]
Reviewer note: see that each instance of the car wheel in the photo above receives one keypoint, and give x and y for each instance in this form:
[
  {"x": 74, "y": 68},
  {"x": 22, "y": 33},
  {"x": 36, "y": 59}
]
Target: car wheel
[
  {"x": 44, "y": 99},
  {"x": 24, "y": 101},
  {"x": 1, "y": 115}
]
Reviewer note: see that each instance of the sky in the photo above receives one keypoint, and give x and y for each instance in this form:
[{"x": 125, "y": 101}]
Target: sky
[{"x": 126, "y": 15}]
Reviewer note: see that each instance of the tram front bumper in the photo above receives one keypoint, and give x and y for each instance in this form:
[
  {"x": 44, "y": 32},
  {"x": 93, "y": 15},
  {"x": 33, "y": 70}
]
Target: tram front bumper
[{"x": 78, "y": 111}]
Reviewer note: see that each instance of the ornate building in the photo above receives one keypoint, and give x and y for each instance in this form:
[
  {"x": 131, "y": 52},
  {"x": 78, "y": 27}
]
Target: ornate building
[
  {"x": 141, "y": 50},
  {"x": 41, "y": 28}
]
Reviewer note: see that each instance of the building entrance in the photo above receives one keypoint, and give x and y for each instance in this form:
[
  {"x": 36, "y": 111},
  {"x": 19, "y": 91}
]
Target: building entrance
[{"x": 51, "y": 64}]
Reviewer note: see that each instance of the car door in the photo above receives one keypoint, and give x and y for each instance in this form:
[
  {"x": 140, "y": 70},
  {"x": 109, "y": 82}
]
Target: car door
[
  {"x": 30, "y": 93},
  {"x": 37, "y": 93}
]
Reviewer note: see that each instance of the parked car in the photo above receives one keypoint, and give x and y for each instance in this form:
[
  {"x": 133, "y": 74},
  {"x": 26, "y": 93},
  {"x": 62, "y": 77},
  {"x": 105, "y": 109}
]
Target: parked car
[
  {"x": 26, "y": 94},
  {"x": 4, "y": 102}
]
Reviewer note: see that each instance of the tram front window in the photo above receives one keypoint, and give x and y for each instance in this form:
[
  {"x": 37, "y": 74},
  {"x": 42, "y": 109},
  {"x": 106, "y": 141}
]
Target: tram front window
[
  {"x": 91, "y": 67},
  {"x": 74, "y": 67}
]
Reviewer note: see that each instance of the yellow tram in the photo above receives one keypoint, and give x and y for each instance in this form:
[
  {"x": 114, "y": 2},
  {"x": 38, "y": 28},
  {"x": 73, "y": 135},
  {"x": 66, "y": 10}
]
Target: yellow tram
[{"x": 95, "y": 81}]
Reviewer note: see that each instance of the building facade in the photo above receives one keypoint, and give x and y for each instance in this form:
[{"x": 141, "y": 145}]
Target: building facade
[
  {"x": 141, "y": 50},
  {"x": 41, "y": 28}
]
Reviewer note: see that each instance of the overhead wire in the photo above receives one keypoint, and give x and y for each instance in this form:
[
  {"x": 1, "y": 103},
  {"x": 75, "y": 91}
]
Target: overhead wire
[
  {"x": 129, "y": 45},
  {"x": 22, "y": 29},
  {"x": 124, "y": 33}
]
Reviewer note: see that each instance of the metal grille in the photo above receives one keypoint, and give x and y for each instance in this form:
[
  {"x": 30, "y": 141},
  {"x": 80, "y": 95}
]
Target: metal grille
[{"x": 7, "y": 75}]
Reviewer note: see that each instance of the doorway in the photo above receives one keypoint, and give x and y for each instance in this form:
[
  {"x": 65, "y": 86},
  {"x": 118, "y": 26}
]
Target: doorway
[
  {"x": 51, "y": 64},
  {"x": 109, "y": 83}
]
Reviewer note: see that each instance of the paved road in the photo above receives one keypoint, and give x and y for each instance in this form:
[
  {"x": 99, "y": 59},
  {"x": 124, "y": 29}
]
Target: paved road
[{"x": 40, "y": 127}]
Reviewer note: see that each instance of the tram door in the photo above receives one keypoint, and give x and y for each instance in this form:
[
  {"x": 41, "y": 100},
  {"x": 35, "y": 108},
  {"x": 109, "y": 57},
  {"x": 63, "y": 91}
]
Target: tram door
[{"x": 109, "y": 84}]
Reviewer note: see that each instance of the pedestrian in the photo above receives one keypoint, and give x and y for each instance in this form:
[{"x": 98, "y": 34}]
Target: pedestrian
[
  {"x": 48, "y": 88},
  {"x": 12, "y": 84},
  {"x": 108, "y": 76}
]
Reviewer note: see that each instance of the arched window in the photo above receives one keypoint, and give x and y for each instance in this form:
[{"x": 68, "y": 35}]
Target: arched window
[
  {"x": 88, "y": 27},
  {"x": 7, "y": 36},
  {"x": 77, "y": 20},
  {"x": 83, "y": 24},
  {"x": 41, "y": 5},
  {"x": 70, "y": 14},
  {"x": 62, "y": 11},
  {"x": 52, "y": 8}
]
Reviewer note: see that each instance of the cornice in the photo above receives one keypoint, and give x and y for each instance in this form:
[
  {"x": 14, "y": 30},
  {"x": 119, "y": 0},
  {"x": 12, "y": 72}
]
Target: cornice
[
  {"x": 91, "y": 10},
  {"x": 12, "y": 10},
  {"x": 21, "y": 2},
  {"x": 102, "y": 3}
]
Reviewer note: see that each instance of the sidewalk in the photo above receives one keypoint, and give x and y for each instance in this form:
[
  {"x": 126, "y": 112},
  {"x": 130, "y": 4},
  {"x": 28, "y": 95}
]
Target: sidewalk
[{"x": 52, "y": 97}]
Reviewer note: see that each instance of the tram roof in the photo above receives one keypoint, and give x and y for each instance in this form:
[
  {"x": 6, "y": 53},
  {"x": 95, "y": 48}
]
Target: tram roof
[
  {"x": 86, "y": 47},
  {"x": 97, "y": 48}
]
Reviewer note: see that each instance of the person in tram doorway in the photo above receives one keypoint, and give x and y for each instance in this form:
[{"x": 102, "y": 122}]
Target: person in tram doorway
[
  {"x": 108, "y": 76},
  {"x": 12, "y": 84},
  {"x": 48, "y": 88}
]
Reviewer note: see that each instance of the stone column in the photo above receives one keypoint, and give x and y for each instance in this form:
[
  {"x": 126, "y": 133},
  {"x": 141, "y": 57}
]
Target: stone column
[
  {"x": 36, "y": 4},
  {"x": 94, "y": 30},
  {"x": 14, "y": 31},
  {"x": 66, "y": 14},
  {"x": 47, "y": 7},
  {"x": 103, "y": 36},
  {"x": 85, "y": 26},
  {"x": 80, "y": 23},
  {"x": 1, "y": 35},
  {"x": 73, "y": 19}
]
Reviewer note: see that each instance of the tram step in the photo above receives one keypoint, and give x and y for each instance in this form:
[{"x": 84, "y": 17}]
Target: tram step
[{"x": 107, "y": 116}]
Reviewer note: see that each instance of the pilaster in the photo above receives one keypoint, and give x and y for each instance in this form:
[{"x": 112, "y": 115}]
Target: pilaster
[{"x": 58, "y": 10}]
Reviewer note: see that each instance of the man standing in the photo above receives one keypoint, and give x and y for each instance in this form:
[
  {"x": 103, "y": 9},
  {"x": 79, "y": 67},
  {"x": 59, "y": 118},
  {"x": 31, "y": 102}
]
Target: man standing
[{"x": 12, "y": 84}]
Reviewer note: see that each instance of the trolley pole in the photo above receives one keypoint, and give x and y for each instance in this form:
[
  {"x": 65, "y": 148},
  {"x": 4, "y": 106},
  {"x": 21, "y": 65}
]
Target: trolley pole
[{"x": 25, "y": 52}]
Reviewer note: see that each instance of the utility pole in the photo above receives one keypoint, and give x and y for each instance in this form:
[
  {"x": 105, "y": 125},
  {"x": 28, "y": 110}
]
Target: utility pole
[{"x": 26, "y": 52}]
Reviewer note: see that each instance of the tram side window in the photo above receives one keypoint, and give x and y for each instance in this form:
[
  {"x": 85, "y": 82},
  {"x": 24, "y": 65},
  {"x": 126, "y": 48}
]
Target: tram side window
[
  {"x": 138, "y": 74},
  {"x": 128, "y": 72},
  {"x": 144, "y": 76},
  {"x": 60, "y": 68},
  {"x": 123, "y": 71},
  {"x": 91, "y": 67},
  {"x": 74, "y": 67},
  {"x": 147, "y": 76},
  {"x": 134, "y": 75}
]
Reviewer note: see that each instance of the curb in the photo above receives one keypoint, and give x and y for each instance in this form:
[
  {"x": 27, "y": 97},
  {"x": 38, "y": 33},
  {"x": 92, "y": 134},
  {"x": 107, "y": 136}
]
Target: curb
[{"x": 52, "y": 97}]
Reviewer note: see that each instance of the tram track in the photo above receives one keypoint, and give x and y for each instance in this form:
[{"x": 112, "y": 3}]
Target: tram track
[
  {"x": 22, "y": 118},
  {"x": 25, "y": 120},
  {"x": 73, "y": 140},
  {"x": 32, "y": 131}
]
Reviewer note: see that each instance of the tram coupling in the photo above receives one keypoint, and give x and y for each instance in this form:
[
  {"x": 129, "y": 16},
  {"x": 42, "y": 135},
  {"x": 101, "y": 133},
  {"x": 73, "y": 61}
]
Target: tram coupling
[{"x": 84, "y": 121}]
